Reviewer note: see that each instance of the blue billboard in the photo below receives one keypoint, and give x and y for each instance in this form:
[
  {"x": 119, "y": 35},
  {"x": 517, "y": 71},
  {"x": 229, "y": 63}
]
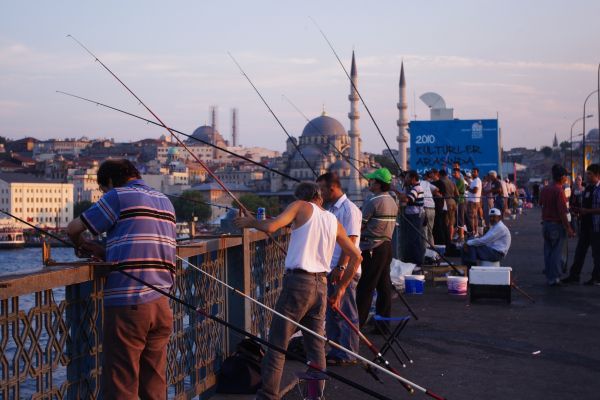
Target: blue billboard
[{"x": 439, "y": 144}]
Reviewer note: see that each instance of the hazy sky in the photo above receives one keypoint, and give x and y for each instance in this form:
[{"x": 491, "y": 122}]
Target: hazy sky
[{"x": 532, "y": 62}]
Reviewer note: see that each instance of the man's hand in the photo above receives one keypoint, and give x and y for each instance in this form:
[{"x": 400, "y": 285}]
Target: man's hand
[
  {"x": 571, "y": 233},
  {"x": 336, "y": 299},
  {"x": 244, "y": 222},
  {"x": 335, "y": 275},
  {"x": 88, "y": 248}
]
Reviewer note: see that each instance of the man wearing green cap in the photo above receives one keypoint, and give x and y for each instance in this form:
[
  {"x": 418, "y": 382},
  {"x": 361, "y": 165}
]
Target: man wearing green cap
[{"x": 378, "y": 222}]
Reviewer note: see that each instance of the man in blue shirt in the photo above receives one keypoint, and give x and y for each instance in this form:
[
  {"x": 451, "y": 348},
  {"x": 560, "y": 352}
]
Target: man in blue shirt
[{"x": 139, "y": 223}]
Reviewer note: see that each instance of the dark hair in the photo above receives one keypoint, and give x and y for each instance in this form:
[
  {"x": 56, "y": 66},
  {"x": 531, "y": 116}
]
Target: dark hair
[
  {"x": 331, "y": 179},
  {"x": 412, "y": 174},
  {"x": 475, "y": 169},
  {"x": 594, "y": 169},
  {"x": 385, "y": 187},
  {"x": 433, "y": 171},
  {"x": 307, "y": 191},
  {"x": 117, "y": 171},
  {"x": 558, "y": 171},
  {"x": 443, "y": 172}
]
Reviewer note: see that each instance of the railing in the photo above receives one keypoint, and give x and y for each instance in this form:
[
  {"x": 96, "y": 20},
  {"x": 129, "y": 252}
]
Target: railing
[{"x": 51, "y": 320}]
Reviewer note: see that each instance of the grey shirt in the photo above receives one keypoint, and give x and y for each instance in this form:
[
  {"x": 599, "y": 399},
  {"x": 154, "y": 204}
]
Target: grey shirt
[{"x": 379, "y": 215}]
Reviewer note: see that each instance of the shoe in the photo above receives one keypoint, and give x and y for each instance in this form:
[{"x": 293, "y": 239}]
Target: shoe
[
  {"x": 569, "y": 279},
  {"x": 340, "y": 362},
  {"x": 592, "y": 282},
  {"x": 556, "y": 283}
]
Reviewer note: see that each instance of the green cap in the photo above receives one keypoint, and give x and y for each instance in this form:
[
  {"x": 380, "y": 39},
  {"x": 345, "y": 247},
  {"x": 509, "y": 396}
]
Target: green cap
[{"x": 382, "y": 174}]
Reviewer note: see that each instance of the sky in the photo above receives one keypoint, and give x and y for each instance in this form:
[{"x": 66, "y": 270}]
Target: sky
[{"x": 532, "y": 63}]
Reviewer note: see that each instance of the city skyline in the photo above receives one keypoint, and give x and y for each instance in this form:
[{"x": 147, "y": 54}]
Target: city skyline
[{"x": 531, "y": 65}]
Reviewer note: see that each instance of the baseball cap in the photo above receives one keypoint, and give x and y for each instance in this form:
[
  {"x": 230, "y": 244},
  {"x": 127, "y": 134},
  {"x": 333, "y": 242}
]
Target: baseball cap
[
  {"x": 495, "y": 212},
  {"x": 382, "y": 174},
  {"x": 493, "y": 173}
]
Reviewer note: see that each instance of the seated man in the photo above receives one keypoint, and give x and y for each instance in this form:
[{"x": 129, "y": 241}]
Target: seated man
[{"x": 492, "y": 246}]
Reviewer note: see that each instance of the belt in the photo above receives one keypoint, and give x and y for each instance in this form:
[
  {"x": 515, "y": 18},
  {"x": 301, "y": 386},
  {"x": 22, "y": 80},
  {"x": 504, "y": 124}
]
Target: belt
[{"x": 305, "y": 272}]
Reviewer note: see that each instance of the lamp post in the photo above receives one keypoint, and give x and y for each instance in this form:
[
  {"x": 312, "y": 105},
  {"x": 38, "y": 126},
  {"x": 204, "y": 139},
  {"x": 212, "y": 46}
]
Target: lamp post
[
  {"x": 598, "y": 107},
  {"x": 571, "y": 140},
  {"x": 583, "y": 140}
]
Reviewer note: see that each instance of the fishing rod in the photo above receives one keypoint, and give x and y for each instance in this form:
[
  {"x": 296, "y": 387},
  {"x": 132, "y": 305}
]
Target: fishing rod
[
  {"x": 184, "y": 134},
  {"x": 273, "y": 114},
  {"x": 202, "y": 202},
  {"x": 312, "y": 332},
  {"x": 357, "y": 92},
  {"x": 208, "y": 170},
  {"x": 378, "y": 356},
  {"x": 322, "y": 134},
  {"x": 206, "y": 314}
]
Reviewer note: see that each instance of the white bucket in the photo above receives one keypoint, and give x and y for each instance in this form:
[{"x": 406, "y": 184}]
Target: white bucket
[{"x": 458, "y": 285}]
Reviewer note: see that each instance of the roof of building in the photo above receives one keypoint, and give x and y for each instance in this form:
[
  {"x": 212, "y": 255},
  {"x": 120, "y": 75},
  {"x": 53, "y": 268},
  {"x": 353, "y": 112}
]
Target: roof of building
[
  {"x": 324, "y": 126},
  {"x": 15, "y": 177},
  {"x": 210, "y": 186}
]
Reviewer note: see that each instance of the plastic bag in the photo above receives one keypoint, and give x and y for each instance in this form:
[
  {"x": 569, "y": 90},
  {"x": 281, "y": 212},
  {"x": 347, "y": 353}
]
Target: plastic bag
[{"x": 398, "y": 270}]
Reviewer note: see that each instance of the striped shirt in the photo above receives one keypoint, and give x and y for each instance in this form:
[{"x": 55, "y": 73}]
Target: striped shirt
[
  {"x": 379, "y": 220},
  {"x": 415, "y": 200},
  {"x": 141, "y": 240}
]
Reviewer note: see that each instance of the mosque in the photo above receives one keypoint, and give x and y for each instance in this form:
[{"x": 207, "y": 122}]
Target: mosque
[{"x": 323, "y": 141}]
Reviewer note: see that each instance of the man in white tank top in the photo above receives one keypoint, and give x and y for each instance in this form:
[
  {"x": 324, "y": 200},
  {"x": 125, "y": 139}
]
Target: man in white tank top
[{"x": 303, "y": 296}]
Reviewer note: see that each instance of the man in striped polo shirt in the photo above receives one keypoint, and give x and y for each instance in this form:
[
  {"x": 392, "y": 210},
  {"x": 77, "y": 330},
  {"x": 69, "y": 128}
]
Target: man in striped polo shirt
[
  {"x": 379, "y": 220},
  {"x": 141, "y": 240},
  {"x": 412, "y": 237}
]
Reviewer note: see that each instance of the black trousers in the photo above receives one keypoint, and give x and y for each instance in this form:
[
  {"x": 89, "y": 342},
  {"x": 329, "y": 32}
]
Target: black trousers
[
  {"x": 375, "y": 275},
  {"x": 587, "y": 238}
]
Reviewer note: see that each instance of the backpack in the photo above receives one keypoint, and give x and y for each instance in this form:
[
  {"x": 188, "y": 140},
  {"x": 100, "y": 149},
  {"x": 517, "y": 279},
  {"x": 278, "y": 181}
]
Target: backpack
[{"x": 240, "y": 372}]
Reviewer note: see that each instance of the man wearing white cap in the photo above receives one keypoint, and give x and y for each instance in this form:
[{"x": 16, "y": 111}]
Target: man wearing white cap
[{"x": 492, "y": 246}]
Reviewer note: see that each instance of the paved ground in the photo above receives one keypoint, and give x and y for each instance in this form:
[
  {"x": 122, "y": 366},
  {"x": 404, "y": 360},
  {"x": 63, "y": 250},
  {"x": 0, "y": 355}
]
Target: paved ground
[{"x": 486, "y": 350}]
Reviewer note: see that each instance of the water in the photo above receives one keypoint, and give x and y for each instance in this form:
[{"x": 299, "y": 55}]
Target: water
[{"x": 28, "y": 260}]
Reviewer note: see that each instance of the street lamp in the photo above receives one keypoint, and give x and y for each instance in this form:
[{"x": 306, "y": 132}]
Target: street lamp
[
  {"x": 571, "y": 141},
  {"x": 583, "y": 140}
]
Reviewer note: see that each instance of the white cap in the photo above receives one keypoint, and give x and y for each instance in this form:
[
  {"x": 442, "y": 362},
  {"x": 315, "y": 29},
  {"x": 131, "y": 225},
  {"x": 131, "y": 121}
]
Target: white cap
[
  {"x": 493, "y": 173},
  {"x": 495, "y": 212}
]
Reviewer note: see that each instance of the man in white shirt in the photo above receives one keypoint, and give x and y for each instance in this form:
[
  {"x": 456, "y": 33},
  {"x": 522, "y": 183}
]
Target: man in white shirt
[
  {"x": 492, "y": 246},
  {"x": 304, "y": 290},
  {"x": 474, "y": 201},
  {"x": 350, "y": 216},
  {"x": 429, "y": 191}
]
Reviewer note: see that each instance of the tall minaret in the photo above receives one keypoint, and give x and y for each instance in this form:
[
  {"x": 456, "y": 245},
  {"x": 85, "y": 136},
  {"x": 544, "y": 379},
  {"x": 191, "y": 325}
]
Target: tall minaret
[
  {"x": 354, "y": 189},
  {"x": 234, "y": 132},
  {"x": 402, "y": 121}
]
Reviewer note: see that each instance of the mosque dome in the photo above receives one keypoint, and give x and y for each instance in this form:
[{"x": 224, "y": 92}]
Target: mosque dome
[
  {"x": 593, "y": 135},
  {"x": 173, "y": 151},
  {"x": 311, "y": 153},
  {"x": 324, "y": 126},
  {"x": 204, "y": 133}
]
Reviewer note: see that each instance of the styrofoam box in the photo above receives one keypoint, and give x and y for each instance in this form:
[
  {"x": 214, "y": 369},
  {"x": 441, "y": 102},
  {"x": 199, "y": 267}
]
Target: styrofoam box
[{"x": 490, "y": 275}]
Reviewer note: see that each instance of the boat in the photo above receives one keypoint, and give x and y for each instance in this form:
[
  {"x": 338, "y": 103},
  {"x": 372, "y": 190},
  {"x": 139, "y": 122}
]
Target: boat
[{"x": 11, "y": 237}]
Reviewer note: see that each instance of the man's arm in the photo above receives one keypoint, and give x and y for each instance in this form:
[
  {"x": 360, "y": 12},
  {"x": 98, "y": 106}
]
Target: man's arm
[
  {"x": 355, "y": 259},
  {"x": 74, "y": 231},
  {"x": 271, "y": 225}
]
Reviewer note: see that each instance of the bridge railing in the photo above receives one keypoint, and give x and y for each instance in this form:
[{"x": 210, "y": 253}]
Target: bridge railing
[{"x": 51, "y": 320}]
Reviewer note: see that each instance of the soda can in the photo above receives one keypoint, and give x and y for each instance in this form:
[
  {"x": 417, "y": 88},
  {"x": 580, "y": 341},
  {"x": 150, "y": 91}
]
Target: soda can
[{"x": 261, "y": 214}]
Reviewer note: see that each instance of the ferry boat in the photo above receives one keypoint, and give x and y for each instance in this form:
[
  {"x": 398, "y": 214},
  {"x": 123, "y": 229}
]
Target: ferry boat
[{"x": 11, "y": 238}]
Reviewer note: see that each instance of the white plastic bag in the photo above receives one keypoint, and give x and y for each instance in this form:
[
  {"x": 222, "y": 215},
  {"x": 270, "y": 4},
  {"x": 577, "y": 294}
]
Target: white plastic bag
[{"x": 398, "y": 270}]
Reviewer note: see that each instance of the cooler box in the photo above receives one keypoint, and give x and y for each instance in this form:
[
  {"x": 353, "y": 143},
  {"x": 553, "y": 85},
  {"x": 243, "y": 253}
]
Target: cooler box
[{"x": 490, "y": 282}]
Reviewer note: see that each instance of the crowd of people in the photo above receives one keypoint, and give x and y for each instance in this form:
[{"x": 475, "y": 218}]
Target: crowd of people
[{"x": 338, "y": 256}]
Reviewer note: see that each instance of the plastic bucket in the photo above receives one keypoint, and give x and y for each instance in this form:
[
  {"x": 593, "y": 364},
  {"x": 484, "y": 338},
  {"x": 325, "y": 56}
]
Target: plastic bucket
[
  {"x": 414, "y": 284},
  {"x": 458, "y": 285},
  {"x": 440, "y": 248}
]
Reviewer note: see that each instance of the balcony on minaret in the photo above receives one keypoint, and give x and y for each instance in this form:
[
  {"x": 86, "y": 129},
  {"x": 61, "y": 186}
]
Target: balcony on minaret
[{"x": 353, "y": 115}]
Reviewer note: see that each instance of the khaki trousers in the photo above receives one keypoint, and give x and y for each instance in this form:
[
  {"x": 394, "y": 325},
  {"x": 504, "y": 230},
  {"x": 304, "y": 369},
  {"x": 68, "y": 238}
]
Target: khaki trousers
[{"x": 135, "y": 351}]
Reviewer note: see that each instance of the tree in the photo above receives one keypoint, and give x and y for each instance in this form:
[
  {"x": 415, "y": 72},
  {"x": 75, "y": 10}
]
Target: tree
[
  {"x": 252, "y": 202},
  {"x": 191, "y": 204},
  {"x": 546, "y": 151},
  {"x": 565, "y": 145},
  {"x": 80, "y": 207},
  {"x": 389, "y": 163}
]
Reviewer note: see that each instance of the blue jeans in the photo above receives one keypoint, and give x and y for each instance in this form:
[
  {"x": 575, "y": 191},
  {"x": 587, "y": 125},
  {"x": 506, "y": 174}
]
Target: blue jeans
[
  {"x": 554, "y": 238},
  {"x": 303, "y": 299},
  {"x": 481, "y": 253},
  {"x": 337, "y": 328}
]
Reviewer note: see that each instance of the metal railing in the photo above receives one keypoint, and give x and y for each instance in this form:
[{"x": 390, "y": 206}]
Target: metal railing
[{"x": 51, "y": 320}]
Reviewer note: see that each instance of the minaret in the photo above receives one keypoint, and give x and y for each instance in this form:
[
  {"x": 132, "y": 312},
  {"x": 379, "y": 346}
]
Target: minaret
[
  {"x": 234, "y": 133},
  {"x": 354, "y": 189},
  {"x": 402, "y": 121}
]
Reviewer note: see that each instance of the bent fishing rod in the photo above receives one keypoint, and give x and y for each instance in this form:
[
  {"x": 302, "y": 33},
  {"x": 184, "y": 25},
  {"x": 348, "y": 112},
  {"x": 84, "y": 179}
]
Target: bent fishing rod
[
  {"x": 357, "y": 92},
  {"x": 312, "y": 332},
  {"x": 184, "y": 134},
  {"x": 223, "y": 322},
  {"x": 198, "y": 160},
  {"x": 273, "y": 114}
]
